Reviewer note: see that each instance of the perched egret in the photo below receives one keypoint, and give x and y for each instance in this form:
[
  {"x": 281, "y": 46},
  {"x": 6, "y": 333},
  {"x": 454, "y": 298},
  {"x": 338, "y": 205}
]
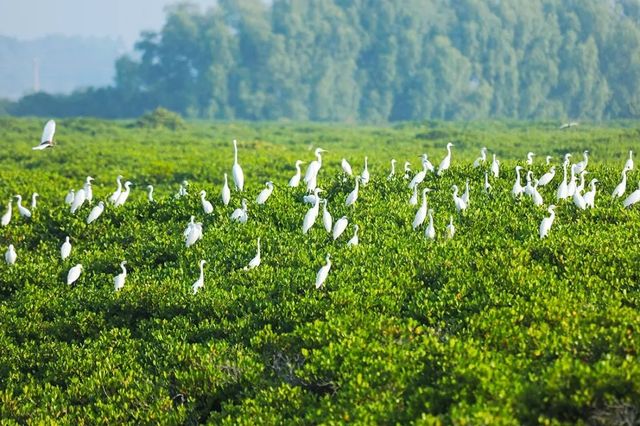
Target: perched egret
[
  {"x": 312, "y": 183},
  {"x": 517, "y": 189},
  {"x": 562, "y": 191},
  {"x": 339, "y": 227},
  {"x": 365, "y": 173},
  {"x": 46, "y": 141},
  {"x": 354, "y": 240},
  {"x": 118, "y": 280},
  {"x": 353, "y": 195},
  {"x": 421, "y": 214},
  {"x": 622, "y": 186},
  {"x": 426, "y": 163},
  {"x": 590, "y": 197},
  {"x": 194, "y": 234},
  {"x": 392, "y": 173},
  {"x": 546, "y": 223},
  {"x": 226, "y": 192},
  {"x": 571, "y": 186},
  {"x": 327, "y": 220},
  {"x": 419, "y": 177},
  {"x": 407, "y": 170},
  {"x": 265, "y": 193},
  {"x": 10, "y": 255},
  {"x": 78, "y": 200},
  {"x": 582, "y": 165},
  {"x": 530, "y": 156},
  {"x": 255, "y": 262},
  {"x": 446, "y": 161},
  {"x": 182, "y": 191},
  {"x": 547, "y": 177},
  {"x": 200, "y": 281},
  {"x": 487, "y": 185},
  {"x": 528, "y": 188},
  {"x": 150, "y": 193},
  {"x": 430, "y": 232},
  {"x": 295, "y": 179},
  {"x": 95, "y": 212},
  {"x": 483, "y": 157},
  {"x": 346, "y": 167},
  {"x": 68, "y": 199},
  {"x": 236, "y": 170},
  {"x": 633, "y": 198},
  {"x": 240, "y": 215},
  {"x": 459, "y": 202},
  {"x": 314, "y": 167},
  {"x": 116, "y": 194},
  {"x": 451, "y": 230},
  {"x": 535, "y": 194},
  {"x": 465, "y": 195},
  {"x": 629, "y": 163},
  {"x": 310, "y": 216},
  {"x": 88, "y": 191},
  {"x": 24, "y": 212},
  {"x": 65, "y": 249},
  {"x": 578, "y": 200},
  {"x": 206, "y": 204},
  {"x": 311, "y": 198},
  {"x": 192, "y": 222},
  {"x": 580, "y": 187},
  {"x": 124, "y": 195},
  {"x": 74, "y": 274},
  {"x": 495, "y": 167},
  {"x": 413, "y": 201},
  {"x": 321, "y": 277},
  {"x": 548, "y": 159},
  {"x": 6, "y": 218},
  {"x": 34, "y": 202}
]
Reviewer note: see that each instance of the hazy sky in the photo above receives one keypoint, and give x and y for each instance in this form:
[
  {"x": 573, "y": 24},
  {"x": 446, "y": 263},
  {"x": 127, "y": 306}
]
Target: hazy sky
[{"x": 118, "y": 19}]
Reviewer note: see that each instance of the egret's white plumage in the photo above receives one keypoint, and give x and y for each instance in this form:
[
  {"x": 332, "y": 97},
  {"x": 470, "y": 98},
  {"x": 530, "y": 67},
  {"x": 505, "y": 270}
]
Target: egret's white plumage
[
  {"x": 466, "y": 194},
  {"x": 629, "y": 163},
  {"x": 413, "y": 201},
  {"x": 226, "y": 192},
  {"x": 430, "y": 232},
  {"x": 354, "y": 241},
  {"x": 528, "y": 188},
  {"x": 549, "y": 158},
  {"x": 495, "y": 167},
  {"x": 451, "y": 230},
  {"x": 311, "y": 198},
  {"x": 327, "y": 220},
  {"x": 200, "y": 281},
  {"x": 24, "y": 212},
  {"x": 582, "y": 165},
  {"x": 34, "y": 201},
  {"x": 578, "y": 200},
  {"x": 346, "y": 167},
  {"x": 295, "y": 179},
  {"x": 420, "y": 176},
  {"x": 446, "y": 161},
  {"x": 459, "y": 202},
  {"x": 421, "y": 214},
  {"x": 240, "y": 215},
  {"x": 6, "y": 218},
  {"x": 365, "y": 173},
  {"x": 321, "y": 276},
  {"x": 150, "y": 193},
  {"x": 124, "y": 195},
  {"x": 590, "y": 197},
  {"x": 118, "y": 280},
  {"x": 353, "y": 195},
  {"x": 483, "y": 157},
  {"x": 535, "y": 194},
  {"x": 116, "y": 194},
  {"x": 487, "y": 185},
  {"x": 74, "y": 274},
  {"x": 530, "y": 156},
  {"x": 10, "y": 255},
  {"x": 78, "y": 200},
  {"x": 264, "y": 195},
  {"x": 547, "y": 177},
  {"x": 46, "y": 141},
  {"x": 314, "y": 167},
  {"x": 68, "y": 199},
  {"x": 562, "y": 192},
  {"x": 622, "y": 186},
  {"x": 206, "y": 204},
  {"x": 546, "y": 223},
  {"x": 95, "y": 212},
  {"x": 392, "y": 173},
  {"x": 194, "y": 234},
  {"x": 311, "y": 215},
  {"x": 255, "y": 262},
  {"x": 65, "y": 249},
  {"x": 192, "y": 222},
  {"x": 407, "y": 170},
  {"x": 339, "y": 227},
  {"x": 633, "y": 198},
  {"x": 571, "y": 186},
  {"x": 88, "y": 190},
  {"x": 236, "y": 170},
  {"x": 517, "y": 189}
]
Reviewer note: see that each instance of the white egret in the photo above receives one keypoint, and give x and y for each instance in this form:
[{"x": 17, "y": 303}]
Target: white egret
[
  {"x": 446, "y": 161},
  {"x": 571, "y": 186},
  {"x": 24, "y": 212},
  {"x": 629, "y": 163},
  {"x": 226, "y": 192},
  {"x": 517, "y": 189},
  {"x": 255, "y": 262},
  {"x": 6, "y": 218},
  {"x": 546, "y": 223},
  {"x": 46, "y": 141},
  {"x": 568, "y": 125},
  {"x": 622, "y": 186},
  {"x": 116, "y": 194},
  {"x": 421, "y": 214},
  {"x": 589, "y": 197},
  {"x": 354, "y": 240},
  {"x": 419, "y": 177},
  {"x": 310, "y": 216},
  {"x": 413, "y": 201},
  {"x": 465, "y": 195},
  {"x": 562, "y": 192},
  {"x": 200, "y": 281},
  {"x": 206, "y": 204},
  {"x": 34, "y": 202},
  {"x": 407, "y": 170},
  {"x": 182, "y": 190},
  {"x": 68, "y": 199},
  {"x": 365, "y": 173},
  {"x": 78, "y": 200},
  {"x": 426, "y": 163},
  {"x": 346, "y": 167},
  {"x": 265, "y": 193},
  {"x": 495, "y": 167},
  {"x": 10, "y": 255},
  {"x": 124, "y": 195},
  {"x": 535, "y": 194},
  {"x": 95, "y": 212},
  {"x": 392, "y": 173},
  {"x": 236, "y": 170},
  {"x": 192, "y": 222},
  {"x": 633, "y": 198},
  {"x": 339, "y": 227},
  {"x": 578, "y": 200},
  {"x": 580, "y": 187},
  {"x": 150, "y": 193},
  {"x": 451, "y": 230},
  {"x": 295, "y": 179},
  {"x": 430, "y": 232},
  {"x": 549, "y": 158},
  {"x": 241, "y": 215},
  {"x": 582, "y": 165},
  {"x": 353, "y": 195},
  {"x": 314, "y": 167},
  {"x": 528, "y": 188},
  {"x": 118, "y": 280},
  {"x": 547, "y": 177},
  {"x": 194, "y": 234},
  {"x": 327, "y": 220},
  {"x": 487, "y": 185},
  {"x": 65, "y": 249},
  {"x": 88, "y": 191},
  {"x": 321, "y": 276},
  {"x": 312, "y": 183},
  {"x": 530, "y": 156},
  {"x": 483, "y": 157},
  {"x": 74, "y": 274},
  {"x": 459, "y": 202},
  {"x": 311, "y": 198}
]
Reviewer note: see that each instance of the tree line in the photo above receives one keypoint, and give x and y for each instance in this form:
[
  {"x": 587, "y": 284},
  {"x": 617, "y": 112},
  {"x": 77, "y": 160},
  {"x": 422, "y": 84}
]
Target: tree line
[{"x": 376, "y": 61}]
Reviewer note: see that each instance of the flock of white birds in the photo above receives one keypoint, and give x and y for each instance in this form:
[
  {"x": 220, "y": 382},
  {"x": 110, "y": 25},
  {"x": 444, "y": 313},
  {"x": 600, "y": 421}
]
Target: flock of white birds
[{"x": 572, "y": 186}]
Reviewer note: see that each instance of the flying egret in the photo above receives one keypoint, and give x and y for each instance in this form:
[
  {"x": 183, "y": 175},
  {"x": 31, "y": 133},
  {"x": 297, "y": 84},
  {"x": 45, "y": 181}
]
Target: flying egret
[
  {"x": 629, "y": 163},
  {"x": 392, "y": 173},
  {"x": 459, "y": 202},
  {"x": 206, "y": 204},
  {"x": 311, "y": 198},
  {"x": 74, "y": 274},
  {"x": 353, "y": 196},
  {"x": 118, "y": 280},
  {"x": 321, "y": 277},
  {"x": 451, "y": 230},
  {"x": 46, "y": 141},
  {"x": 95, "y": 212},
  {"x": 568, "y": 125},
  {"x": 314, "y": 167},
  {"x": 34, "y": 202},
  {"x": 546, "y": 223},
  {"x": 547, "y": 177},
  {"x": 310, "y": 216},
  {"x": 407, "y": 170},
  {"x": 419, "y": 177},
  {"x": 68, "y": 199},
  {"x": 421, "y": 214},
  {"x": 562, "y": 191},
  {"x": 346, "y": 167},
  {"x": 255, "y": 262},
  {"x": 633, "y": 198},
  {"x": 622, "y": 186},
  {"x": 517, "y": 189},
  {"x": 295, "y": 179},
  {"x": 327, "y": 220},
  {"x": 354, "y": 240},
  {"x": 236, "y": 170},
  {"x": 240, "y": 214},
  {"x": 465, "y": 195},
  {"x": 582, "y": 165},
  {"x": 413, "y": 201},
  {"x": 65, "y": 249},
  {"x": 124, "y": 195},
  {"x": 200, "y": 281},
  {"x": 10, "y": 255},
  {"x": 530, "y": 156},
  {"x": 78, "y": 200},
  {"x": 226, "y": 192},
  {"x": 88, "y": 191},
  {"x": 446, "y": 161},
  {"x": 548, "y": 159},
  {"x": 589, "y": 197},
  {"x": 495, "y": 167},
  {"x": 571, "y": 186},
  {"x": 365, "y": 173},
  {"x": 116, "y": 194},
  {"x": 194, "y": 234},
  {"x": 150, "y": 193},
  {"x": 487, "y": 185},
  {"x": 430, "y": 232},
  {"x": 483, "y": 157},
  {"x": 6, "y": 218},
  {"x": 24, "y": 212},
  {"x": 339, "y": 227},
  {"x": 265, "y": 193}
]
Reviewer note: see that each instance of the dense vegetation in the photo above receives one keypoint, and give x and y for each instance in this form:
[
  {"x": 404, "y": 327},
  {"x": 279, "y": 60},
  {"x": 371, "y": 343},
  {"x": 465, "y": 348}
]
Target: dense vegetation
[
  {"x": 377, "y": 61},
  {"x": 492, "y": 326}
]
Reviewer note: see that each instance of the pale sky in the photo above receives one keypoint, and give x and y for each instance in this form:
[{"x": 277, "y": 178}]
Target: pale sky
[{"x": 117, "y": 19}]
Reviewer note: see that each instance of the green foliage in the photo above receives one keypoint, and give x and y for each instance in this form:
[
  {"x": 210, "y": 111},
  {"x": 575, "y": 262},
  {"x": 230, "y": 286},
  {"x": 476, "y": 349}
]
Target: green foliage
[
  {"x": 492, "y": 327},
  {"x": 160, "y": 118}
]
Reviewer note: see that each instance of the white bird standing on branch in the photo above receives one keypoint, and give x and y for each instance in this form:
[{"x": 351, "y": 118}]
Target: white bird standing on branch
[
  {"x": 295, "y": 179},
  {"x": 10, "y": 255},
  {"x": 546, "y": 223},
  {"x": 65, "y": 249},
  {"x": 530, "y": 156},
  {"x": 6, "y": 218},
  {"x": 264, "y": 195},
  {"x": 459, "y": 202},
  {"x": 421, "y": 214},
  {"x": 311, "y": 175},
  {"x": 547, "y": 177},
  {"x": 34, "y": 201},
  {"x": 206, "y": 204},
  {"x": 446, "y": 161},
  {"x": 74, "y": 274},
  {"x": 236, "y": 170},
  {"x": 392, "y": 173},
  {"x": 88, "y": 191},
  {"x": 95, "y": 212},
  {"x": 451, "y": 230},
  {"x": 354, "y": 241},
  {"x": 495, "y": 167},
  {"x": 226, "y": 192},
  {"x": 339, "y": 227},
  {"x": 323, "y": 272},
  {"x": 68, "y": 199},
  {"x": 200, "y": 281},
  {"x": 582, "y": 165},
  {"x": 255, "y": 262},
  {"x": 413, "y": 201},
  {"x": 327, "y": 220},
  {"x": 480, "y": 160},
  {"x": 240, "y": 215},
  {"x": 365, "y": 173},
  {"x": 150, "y": 193},
  {"x": 430, "y": 232},
  {"x": 633, "y": 198},
  {"x": 622, "y": 186},
  {"x": 310, "y": 216},
  {"x": 116, "y": 194},
  {"x": 629, "y": 163},
  {"x": 353, "y": 196},
  {"x": 46, "y": 141},
  {"x": 78, "y": 200},
  {"x": 124, "y": 195},
  {"x": 24, "y": 212},
  {"x": 346, "y": 167},
  {"x": 118, "y": 280}
]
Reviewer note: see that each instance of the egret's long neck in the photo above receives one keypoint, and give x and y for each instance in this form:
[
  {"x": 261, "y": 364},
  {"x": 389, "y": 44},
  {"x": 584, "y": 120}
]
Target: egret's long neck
[
  {"x": 124, "y": 270},
  {"x": 258, "y": 247},
  {"x": 393, "y": 167},
  {"x": 424, "y": 199},
  {"x": 235, "y": 152},
  {"x": 119, "y": 183},
  {"x": 201, "y": 271},
  {"x": 455, "y": 192},
  {"x": 319, "y": 158},
  {"x": 298, "y": 168},
  {"x": 518, "y": 175}
]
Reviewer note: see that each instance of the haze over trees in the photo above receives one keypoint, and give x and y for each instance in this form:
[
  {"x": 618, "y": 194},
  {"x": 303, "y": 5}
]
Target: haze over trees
[{"x": 377, "y": 61}]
